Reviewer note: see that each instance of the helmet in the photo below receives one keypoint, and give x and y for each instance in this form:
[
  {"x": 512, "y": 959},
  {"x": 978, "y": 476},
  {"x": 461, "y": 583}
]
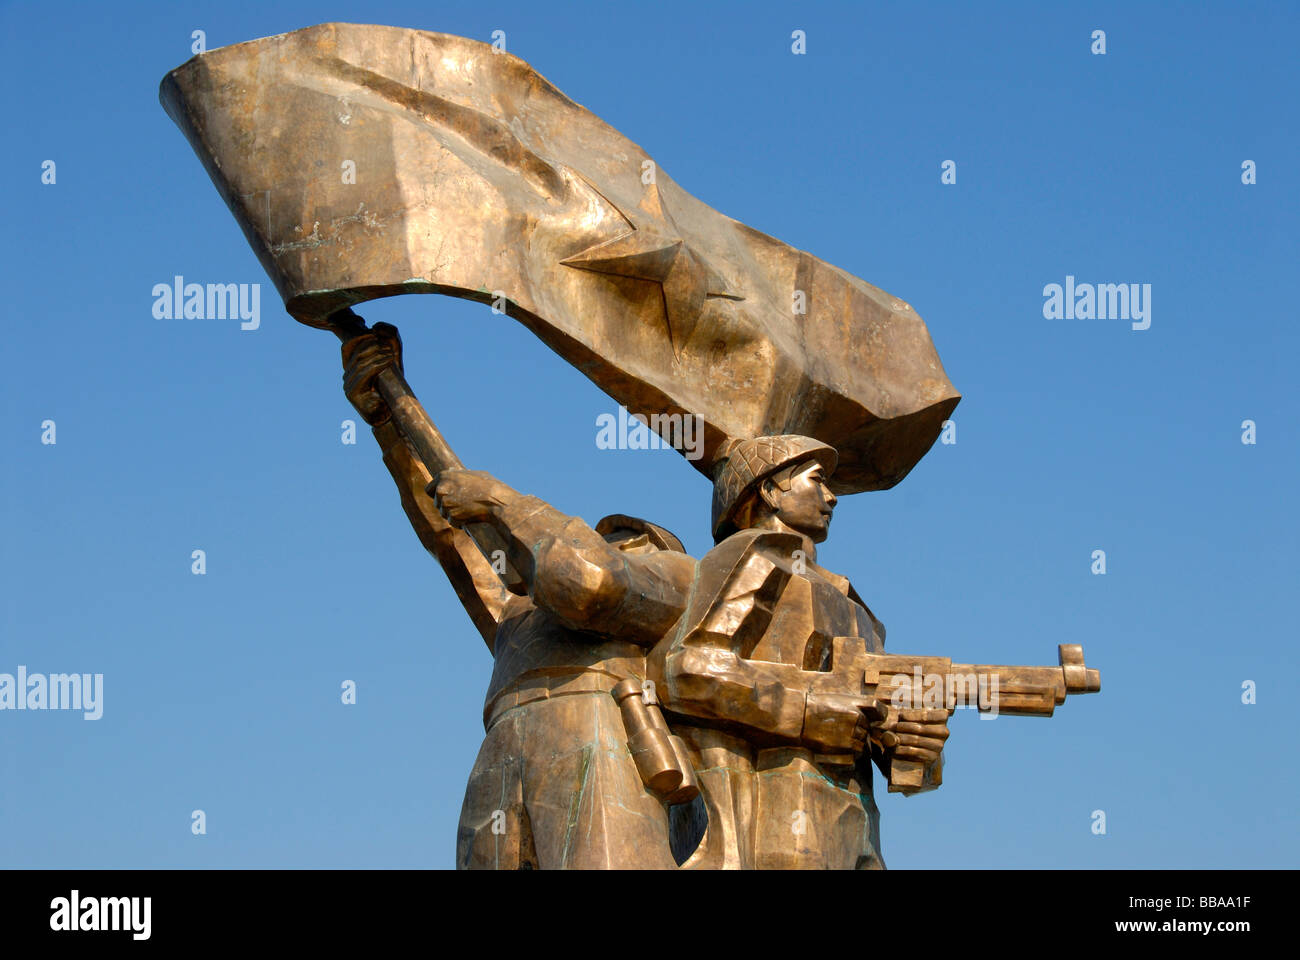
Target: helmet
[
  {"x": 748, "y": 462},
  {"x": 660, "y": 537}
]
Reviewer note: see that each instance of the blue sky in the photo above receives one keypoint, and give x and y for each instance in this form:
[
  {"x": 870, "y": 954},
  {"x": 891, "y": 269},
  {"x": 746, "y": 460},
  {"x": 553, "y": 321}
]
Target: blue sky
[{"x": 221, "y": 692}]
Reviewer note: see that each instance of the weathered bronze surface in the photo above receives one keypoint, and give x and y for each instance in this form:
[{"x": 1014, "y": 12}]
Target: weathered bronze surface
[
  {"x": 475, "y": 177},
  {"x": 646, "y": 709}
]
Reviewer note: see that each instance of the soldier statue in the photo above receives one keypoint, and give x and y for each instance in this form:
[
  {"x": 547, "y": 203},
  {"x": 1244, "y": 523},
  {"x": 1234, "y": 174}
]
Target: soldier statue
[
  {"x": 646, "y": 709},
  {"x": 783, "y": 764},
  {"x": 734, "y": 644},
  {"x": 554, "y": 785}
]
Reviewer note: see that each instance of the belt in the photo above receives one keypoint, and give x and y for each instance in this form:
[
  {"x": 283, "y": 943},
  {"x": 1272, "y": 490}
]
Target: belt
[{"x": 532, "y": 687}]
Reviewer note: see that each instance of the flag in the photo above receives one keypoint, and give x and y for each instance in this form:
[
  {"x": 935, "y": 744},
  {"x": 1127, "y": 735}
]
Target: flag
[{"x": 370, "y": 161}]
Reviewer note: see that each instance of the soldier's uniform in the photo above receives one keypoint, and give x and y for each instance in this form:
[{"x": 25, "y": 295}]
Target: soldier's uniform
[
  {"x": 554, "y": 785},
  {"x": 555, "y": 760},
  {"x": 735, "y": 676}
]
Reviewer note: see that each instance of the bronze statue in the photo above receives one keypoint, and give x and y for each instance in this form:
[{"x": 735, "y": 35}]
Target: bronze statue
[
  {"x": 769, "y": 667},
  {"x": 782, "y": 751},
  {"x": 776, "y": 679},
  {"x": 645, "y": 709},
  {"x": 554, "y": 784}
]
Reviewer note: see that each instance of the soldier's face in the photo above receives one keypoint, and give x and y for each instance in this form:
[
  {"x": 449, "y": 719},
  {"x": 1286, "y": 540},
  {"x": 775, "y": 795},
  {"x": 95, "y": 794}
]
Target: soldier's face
[{"x": 808, "y": 504}]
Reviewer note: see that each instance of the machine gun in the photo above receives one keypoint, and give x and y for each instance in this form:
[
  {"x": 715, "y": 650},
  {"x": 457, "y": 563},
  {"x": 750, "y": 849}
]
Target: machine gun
[{"x": 906, "y": 682}]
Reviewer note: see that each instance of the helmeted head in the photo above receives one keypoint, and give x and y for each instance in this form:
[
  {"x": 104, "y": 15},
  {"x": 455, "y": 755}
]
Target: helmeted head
[
  {"x": 783, "y": 476},
  {"x": 634, "y": 535}
]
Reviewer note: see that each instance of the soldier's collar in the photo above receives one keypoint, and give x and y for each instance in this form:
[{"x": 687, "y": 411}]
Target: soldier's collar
[{"x": 838, "y": 582}]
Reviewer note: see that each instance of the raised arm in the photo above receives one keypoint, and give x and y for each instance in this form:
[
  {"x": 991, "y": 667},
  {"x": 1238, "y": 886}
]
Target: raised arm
[
  {"x": 477, "y": 584},
  {"x": 569, "y": 569}
]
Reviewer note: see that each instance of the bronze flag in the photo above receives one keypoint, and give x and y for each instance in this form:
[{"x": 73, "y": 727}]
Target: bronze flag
[{"x": 369, "y": 161}]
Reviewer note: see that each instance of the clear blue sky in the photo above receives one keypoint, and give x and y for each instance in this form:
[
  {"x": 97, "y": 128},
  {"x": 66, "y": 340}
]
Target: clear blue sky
[{"x": 221, "y": 692}]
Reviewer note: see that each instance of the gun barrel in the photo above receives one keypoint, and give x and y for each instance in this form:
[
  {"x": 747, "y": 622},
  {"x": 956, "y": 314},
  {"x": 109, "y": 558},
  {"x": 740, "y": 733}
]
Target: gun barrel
[
  {"x": 1078, "y": 677},
  {"x": 1005, "y": 688}
]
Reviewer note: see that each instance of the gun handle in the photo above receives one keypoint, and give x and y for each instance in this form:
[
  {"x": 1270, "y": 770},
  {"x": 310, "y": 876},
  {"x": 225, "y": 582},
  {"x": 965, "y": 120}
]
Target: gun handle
[{"x": 913, "y": 776}]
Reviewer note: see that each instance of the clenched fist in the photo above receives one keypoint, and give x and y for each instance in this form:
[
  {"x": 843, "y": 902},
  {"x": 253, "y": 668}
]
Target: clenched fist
[
  {"x": 467, "y": 496},
  {"x": 839, "y": 723},
  {"x": 913, "y": 734},
  {"x": 364, "y": 358}
]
